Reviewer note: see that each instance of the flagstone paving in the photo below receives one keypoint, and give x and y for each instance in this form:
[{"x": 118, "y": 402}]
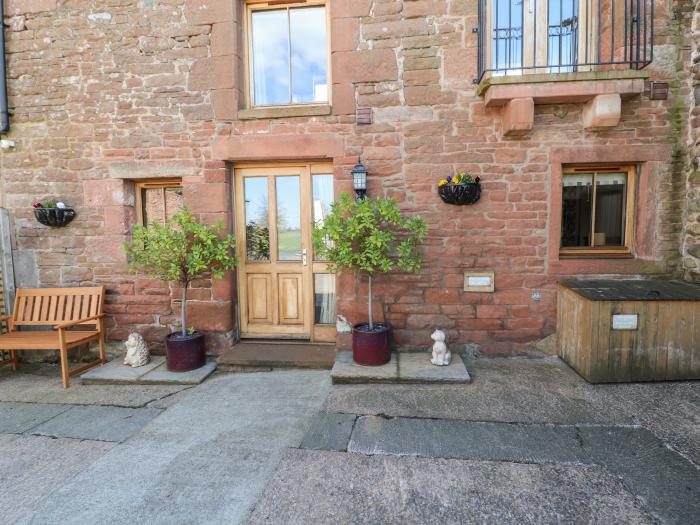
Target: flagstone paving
[
  {"x": 205, "y": 459},
  {"x": 528, "y": 441},
  {"x": 34, "y": 383},
  {"x": 668, "y": 483},
  {"x": 314, "y": 486},
  {"x": 537, "y": 391}
]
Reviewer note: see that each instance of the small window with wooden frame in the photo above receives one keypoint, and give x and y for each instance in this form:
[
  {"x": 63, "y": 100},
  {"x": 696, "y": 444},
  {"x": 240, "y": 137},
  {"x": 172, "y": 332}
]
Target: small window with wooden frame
[
  {"x": 597, "y": 218},
  {"x": 288, "y": 53},
  {"x": 158, "y": 200}
]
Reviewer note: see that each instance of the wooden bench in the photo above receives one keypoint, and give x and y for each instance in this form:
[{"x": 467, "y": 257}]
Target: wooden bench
[{"x": 62, "y": 309}]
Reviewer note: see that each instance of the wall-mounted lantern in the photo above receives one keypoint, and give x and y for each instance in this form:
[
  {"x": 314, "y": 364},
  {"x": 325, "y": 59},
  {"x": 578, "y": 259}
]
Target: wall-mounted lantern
[{"x": 359, "y": 180}]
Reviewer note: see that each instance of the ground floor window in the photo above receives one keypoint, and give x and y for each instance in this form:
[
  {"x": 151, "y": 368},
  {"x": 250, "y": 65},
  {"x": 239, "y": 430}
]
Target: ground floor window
[
  {"x": 597, "y": 210},
  {"x": 158, "y": 201}
]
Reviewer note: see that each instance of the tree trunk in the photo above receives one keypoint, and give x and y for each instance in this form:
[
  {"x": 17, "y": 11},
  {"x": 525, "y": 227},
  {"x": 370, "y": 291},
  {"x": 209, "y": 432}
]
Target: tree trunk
[
  {"x": 371, "y": 320},
  {"x": 184, "y": 308}
]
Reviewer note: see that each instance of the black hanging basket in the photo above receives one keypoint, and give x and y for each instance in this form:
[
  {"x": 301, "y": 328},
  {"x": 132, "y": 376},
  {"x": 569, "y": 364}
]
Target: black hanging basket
[
  {"x": 54, "y": 217},
  {"x": 459, "y": 194}
]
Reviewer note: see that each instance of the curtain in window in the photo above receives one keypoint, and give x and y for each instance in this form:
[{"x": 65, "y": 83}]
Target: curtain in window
[{"x": 324, "y": 294}]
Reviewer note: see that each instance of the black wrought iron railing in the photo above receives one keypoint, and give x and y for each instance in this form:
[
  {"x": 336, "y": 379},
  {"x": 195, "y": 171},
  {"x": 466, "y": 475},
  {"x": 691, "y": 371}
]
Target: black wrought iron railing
[{"x": 519, "y": 37}]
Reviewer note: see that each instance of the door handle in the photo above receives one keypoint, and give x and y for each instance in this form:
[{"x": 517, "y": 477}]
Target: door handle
[{"x": 303, "y": 257}]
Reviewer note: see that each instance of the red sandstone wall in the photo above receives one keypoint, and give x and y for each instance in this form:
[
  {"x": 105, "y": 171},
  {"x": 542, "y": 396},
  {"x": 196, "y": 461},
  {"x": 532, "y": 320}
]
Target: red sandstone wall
[{"x": 104, "y": 91}]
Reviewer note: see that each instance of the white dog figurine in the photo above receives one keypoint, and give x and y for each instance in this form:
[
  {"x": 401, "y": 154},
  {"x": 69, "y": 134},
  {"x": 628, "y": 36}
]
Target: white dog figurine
[
  {"x": 137, "y": 353},
  {"x": 441, "y": 355}
]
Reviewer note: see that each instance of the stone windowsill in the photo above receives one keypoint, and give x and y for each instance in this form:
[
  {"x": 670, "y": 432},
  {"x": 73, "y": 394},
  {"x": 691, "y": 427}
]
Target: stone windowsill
[
  {"x": 554, "y": 88},
  {"x": 310, "y": 110}
]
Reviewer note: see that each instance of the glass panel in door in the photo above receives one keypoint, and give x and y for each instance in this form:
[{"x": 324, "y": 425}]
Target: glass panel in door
[
  {"x": 289, "y": 241},
  {"x": 257, "y": 224},
  {"x": 322, "y": 199}
]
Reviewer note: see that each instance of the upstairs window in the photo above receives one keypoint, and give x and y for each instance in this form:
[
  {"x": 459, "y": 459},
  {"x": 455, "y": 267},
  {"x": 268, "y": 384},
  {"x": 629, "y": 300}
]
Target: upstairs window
[
  {"x": 288, "y": 53},
  {"x": 158, "y": 201},
  {"x": 597, "y": 210}
]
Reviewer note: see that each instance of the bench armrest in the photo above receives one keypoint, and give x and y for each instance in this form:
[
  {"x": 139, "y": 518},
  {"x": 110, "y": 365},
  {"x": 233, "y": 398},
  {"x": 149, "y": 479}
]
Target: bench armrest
[{"x": 68, "y": 324}]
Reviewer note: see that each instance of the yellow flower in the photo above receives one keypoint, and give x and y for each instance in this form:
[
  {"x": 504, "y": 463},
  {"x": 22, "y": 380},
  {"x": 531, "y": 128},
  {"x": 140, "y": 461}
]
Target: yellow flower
[
  {"x": 455, "y": 180},
  {"x": 443, "y": 182}
]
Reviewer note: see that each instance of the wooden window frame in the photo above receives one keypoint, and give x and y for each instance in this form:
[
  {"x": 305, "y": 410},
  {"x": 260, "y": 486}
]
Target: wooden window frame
[
  {"x": 162, "y": 184},
  {"x": 268, "y": 5},
  {"x": 625, "y": 251}
]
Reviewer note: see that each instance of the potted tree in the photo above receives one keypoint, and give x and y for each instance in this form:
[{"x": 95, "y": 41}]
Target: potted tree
[
  {"x": 369, "y": 236},
  {"x": 182, "y": 250}
]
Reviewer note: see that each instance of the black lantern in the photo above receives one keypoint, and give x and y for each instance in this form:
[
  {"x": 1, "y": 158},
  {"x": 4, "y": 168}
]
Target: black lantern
[{"x": 359, "y": 180}]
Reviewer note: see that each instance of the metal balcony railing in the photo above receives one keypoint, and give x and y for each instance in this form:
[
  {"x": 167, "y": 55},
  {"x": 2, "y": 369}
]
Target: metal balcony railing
[{"x": 518, "y": 37}]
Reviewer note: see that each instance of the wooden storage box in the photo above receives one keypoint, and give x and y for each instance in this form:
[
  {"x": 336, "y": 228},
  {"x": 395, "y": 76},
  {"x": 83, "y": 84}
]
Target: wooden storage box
[{"x": 617, "y": 331}]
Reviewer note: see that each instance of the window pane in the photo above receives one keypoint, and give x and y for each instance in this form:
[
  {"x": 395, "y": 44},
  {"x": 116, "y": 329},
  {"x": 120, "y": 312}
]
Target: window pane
[
  {"x": 309, "y": 54},
  {"x": 324, "y": 298},
  {"x": 153, "y": 205},
  {"x": 610, "y": 213},
  {"x": 270, "y": 42},
  {"x": 256, "y": 218},
  {"x": 288, "y": 218},
  {"x": 507, "y": 35},
  {"x": 562, "y": 35},
  {"x": 173, "y": 201},
  {"x": 577, "y": 208},
  {"x": 322, "y": 198}
]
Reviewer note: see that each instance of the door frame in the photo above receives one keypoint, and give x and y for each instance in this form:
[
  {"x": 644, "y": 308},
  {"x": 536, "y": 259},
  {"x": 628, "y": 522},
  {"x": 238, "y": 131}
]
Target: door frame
[{"x": 305, "y": 170}]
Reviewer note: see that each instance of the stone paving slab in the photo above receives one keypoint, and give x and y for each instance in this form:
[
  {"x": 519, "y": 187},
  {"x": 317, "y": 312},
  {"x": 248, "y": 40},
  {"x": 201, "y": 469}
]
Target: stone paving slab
[
  {"x": 116, "y": 371},
  {"x": 403, "y": 368},
  {"x": 417, "y": 368},
  {"x": 329, "y": 432},
  {"x": 466, "y": 440},
  {"x": 667, "y": 483},
  {"x": 31, "y": 467},
  {"x": 345, "y": 370},
  {"x": 98, "y": 423},
  {"x": 313, "y": 486},
  {"x": 16, "y": 418},
  {"x": 154, "y": 373}
]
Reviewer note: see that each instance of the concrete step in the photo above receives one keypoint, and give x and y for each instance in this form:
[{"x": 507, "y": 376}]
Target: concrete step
[
  {"x": 404, "y": 367},
  {"x": 253, "y": 356},
  {"x": 154, "y": 373}
]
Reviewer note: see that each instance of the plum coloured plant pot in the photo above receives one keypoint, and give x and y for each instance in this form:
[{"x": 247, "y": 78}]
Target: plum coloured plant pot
[
  {"x": 371, "y": 347},
  {"x": 183, "y": 354}
]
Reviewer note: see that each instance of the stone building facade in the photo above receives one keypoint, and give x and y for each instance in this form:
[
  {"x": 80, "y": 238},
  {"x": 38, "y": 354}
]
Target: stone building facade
[{"x": 106, "y": 94}]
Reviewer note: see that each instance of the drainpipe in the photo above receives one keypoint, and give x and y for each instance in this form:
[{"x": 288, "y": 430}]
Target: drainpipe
[{"x": 4, "y": 111}]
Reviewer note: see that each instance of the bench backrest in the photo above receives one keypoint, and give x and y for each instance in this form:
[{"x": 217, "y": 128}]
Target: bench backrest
[{"x": 50, "y": 306}]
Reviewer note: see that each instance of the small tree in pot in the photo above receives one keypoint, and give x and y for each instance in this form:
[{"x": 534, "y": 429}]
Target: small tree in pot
[
  {"x": 182, "y": 250},
  {"x": 369, "y": 236}
]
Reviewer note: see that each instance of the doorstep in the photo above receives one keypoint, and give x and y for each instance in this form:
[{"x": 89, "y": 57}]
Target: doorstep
[
  {"x": 403, "y": 368},
  {"x": 154, "y": 373},
  {"x": 275, "y": 354}
]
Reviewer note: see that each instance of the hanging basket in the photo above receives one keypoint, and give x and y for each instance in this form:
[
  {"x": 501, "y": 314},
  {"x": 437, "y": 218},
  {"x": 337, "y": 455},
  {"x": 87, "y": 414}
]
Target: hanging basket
[
  {"x": 54, "y": 217},
  {"x": 459, "y": 194}
]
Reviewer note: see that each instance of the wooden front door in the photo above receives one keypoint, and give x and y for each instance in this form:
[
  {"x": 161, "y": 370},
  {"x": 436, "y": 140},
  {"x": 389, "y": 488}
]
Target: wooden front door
[{"x": 283, "y": 291}]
